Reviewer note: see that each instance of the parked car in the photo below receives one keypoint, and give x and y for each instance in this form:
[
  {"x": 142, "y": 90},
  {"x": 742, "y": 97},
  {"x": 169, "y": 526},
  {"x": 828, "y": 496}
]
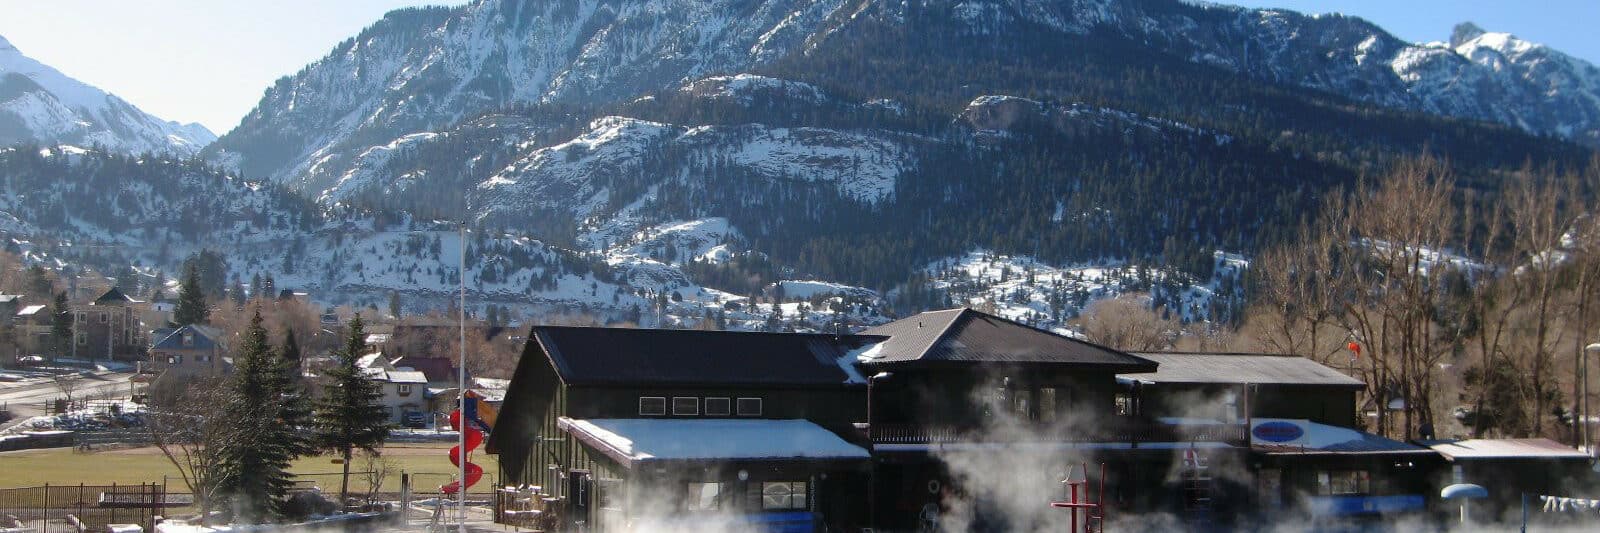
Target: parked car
[
  {"x": 415, "y": 420},
  {"x": 31, "y": 360}
]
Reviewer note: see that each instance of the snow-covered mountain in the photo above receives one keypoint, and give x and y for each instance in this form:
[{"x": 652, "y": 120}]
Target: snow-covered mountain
[
  {"x": 424, "y": 70},
  {"x": 824, "y": 161},
  {"x": 40, "y": 105}
]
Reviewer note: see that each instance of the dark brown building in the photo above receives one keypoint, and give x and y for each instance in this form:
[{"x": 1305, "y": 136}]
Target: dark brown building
[
  {"x": 885, "y": 429},
  {"x": 622, "y": 422}
]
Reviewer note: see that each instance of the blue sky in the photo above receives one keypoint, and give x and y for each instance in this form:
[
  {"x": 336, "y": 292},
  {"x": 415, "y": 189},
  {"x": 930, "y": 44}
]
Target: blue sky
[
  {"x": 205, "y": 61},
  {"x": 1566, "y": 25},
  {"x": 208, "y": 61}
]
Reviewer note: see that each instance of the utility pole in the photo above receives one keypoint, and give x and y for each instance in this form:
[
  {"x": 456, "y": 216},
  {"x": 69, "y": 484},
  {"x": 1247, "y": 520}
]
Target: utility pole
[{"x": 461, "y": 386}]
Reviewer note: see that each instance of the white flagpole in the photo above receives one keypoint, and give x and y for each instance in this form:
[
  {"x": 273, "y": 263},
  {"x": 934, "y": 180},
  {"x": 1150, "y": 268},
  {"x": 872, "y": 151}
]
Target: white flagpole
[{"x": 461, "y": 390}]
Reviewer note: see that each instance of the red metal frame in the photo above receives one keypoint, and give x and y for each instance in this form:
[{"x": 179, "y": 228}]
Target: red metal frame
[{"x": 1094, "y": 512}]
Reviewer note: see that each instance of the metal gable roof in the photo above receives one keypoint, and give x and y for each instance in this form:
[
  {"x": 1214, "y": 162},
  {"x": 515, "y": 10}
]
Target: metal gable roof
[
  {"x": 969, "y": 336},
  {"x": 591, "y": 355},
  {"x": 1536, "y": 448},
  {"x": 1240, "y": 368},
  {"x": 204, "y": 339}
]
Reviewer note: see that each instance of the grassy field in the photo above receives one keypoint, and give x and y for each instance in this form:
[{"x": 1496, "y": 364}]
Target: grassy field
[{"x": 62, "y": 466}]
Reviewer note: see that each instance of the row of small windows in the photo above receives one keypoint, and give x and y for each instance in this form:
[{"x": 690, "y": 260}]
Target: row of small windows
[
  {"x": 83, "y": 316},
  {"x": 767, "y": 496},
  {"x": 690, "y": 406}
]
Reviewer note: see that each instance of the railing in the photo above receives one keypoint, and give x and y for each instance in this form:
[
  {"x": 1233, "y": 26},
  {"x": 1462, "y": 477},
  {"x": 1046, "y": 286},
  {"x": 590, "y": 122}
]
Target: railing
[
  {"x": 53, "y": 508},
  {"x": 1117, "y": 432}
]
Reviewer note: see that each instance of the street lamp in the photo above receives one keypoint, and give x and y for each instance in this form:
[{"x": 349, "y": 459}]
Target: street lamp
[{"x": 872, "y": 471}]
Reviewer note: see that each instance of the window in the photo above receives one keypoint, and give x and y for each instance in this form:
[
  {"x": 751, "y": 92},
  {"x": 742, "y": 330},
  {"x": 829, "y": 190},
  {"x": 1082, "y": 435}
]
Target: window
[
  {"x": 749, "y": 406},
  {"x": 718, "y": 407},
  {"x": 1047, "y": 404},
  {"x": 80, "y": 316},
  {"x": 174, "y": 359},
  {"x": 1339, "y": 482},
  {"x": 188, "y": 339},
  {"x": 105, "y": 317},
  {"x": 703, "y": 497},
  {"x": 83, "y": 339},
  {"x": 1021, "y": 403},
  {"x": 782, "y": 495},
  {"x": 685, "y": 406},
  {"x": 202, "y": 358},
  {"x": 1124, "y": 405},
  {"x": 652, "y": 406},
  {"x": 405, "y": 390}
]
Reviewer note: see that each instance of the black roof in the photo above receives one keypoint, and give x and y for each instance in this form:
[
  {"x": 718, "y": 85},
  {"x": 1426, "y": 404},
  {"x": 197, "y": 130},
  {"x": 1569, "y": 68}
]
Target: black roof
[
  {"x": 964, "y": 336},
  {"x": 113, "y": 296},
  {"x": 616, "y": 356}
]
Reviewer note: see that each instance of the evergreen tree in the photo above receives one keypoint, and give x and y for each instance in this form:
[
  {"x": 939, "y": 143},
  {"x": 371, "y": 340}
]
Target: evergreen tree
[
  {"x": 159, "y": 287},
  {"x": 349, "y": 415},
  {"x": 191, "y": 299},
  {"x": 128, "y": 281},
  {"x": 291, "y": 351},
  {"x": 60, "y": 325},
  {"x": 236, "y": 293},
  {"x": 211, "y": 271},
  {"x": 394, "y": 303},
  {"x": 262, "y": 437},
  {"x": 297, "y": 411},
  {"x": 39, "y": 282}
]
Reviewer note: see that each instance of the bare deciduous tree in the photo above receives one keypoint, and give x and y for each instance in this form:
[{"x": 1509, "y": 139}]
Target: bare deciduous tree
[
  {"x": 186, "y": 423},
  {"x": 1126, "y": 323}
]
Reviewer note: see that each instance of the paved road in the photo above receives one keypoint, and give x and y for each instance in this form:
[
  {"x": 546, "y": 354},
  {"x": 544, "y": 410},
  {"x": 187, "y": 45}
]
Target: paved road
[{"x": 28, "y": 400}]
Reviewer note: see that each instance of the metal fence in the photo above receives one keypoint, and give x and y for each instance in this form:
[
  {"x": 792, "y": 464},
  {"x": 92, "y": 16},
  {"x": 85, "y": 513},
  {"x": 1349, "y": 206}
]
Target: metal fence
[
  {"x": 53, "y": 507},
  {"x": 91, "y": 439}
]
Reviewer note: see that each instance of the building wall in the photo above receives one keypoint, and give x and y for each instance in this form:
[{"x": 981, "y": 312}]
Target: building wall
[
  {"x": 834, "y": 408},
  {"x": 1334, "y": 406},
  {"x": 189, "y": 361},
  {"x": 91, "y": 326},
  {"x": 533, "y": 406},
  {"x": 966, "y": 397},
  {"x": 399, "y": 403}
]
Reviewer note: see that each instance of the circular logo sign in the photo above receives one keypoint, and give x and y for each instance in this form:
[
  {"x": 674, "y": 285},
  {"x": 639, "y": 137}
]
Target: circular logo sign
[{"x": 1277, "y": 431}]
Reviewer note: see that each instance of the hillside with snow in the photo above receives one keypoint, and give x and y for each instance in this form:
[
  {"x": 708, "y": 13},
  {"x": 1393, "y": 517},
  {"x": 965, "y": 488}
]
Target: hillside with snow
[
  {"x": 40, "y": 105},
  {"x": 423, "y": 70},
  {"x": 1048, "y": 296}
]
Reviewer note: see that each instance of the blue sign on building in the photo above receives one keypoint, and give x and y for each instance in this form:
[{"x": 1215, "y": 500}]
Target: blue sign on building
[{"x": 1277, "y": 431}]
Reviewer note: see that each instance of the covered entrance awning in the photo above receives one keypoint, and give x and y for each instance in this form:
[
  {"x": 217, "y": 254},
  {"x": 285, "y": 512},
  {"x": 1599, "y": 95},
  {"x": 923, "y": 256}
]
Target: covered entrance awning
[{"x": 632, "y": 442}]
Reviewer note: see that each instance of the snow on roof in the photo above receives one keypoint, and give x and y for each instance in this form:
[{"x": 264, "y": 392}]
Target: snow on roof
[
  {"x": 1323, "y": 438},
  {"x": 491, "y": 395},
  {"x": 372, "y": 360},
  {"x": 634, "y": 439},
  {"x": 407, "y": 376},
  {"x": 30, "y": 310},
  {"x": 491, "y": 383},
  {"x": 1504, "y": 449},
  {"x": 863, "y": 354}
]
